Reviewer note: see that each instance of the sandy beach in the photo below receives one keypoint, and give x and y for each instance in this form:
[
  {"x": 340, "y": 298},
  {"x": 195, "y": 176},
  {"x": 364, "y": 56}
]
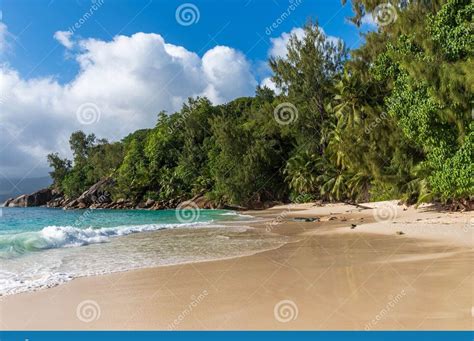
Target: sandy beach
[{"x": 378, "y": 266}]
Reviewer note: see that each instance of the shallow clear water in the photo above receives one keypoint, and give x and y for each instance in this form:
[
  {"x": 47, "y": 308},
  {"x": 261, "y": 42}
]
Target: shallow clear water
[
  {"x": 32, "y": 229},
  {"x": 42, "y": 247}
]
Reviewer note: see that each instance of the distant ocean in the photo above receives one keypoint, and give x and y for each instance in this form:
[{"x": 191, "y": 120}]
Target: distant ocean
[
  {"x": 42, "y": 247},
  {"x": 13, "y": 187}
]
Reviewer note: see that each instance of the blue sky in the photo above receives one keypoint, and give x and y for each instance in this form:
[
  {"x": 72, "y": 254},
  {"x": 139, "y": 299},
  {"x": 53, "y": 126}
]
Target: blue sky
[
  {"x": 109, "y": 67},
  {"x": 239, "y": 24}
]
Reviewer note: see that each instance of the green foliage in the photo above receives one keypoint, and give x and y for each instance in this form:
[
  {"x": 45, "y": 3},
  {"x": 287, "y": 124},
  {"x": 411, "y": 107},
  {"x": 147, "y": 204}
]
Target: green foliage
[
  {"x": 452, "y": 29},
  {"x": 81, "y": 145},
  {"x": 60, "y": 167},
  {"x": 431, "y": 101},
  {"x": 454, "y": 177},
  {"x": 248, "y": 152},
  {"x": 302, "y": 172},
  {"x": 306, "y": 76},
  {"x": 104, "y": 159},
  {"x": 392, "y": 121},
  {"x": 75, "y": 182},
  {"x": 132, "y": 178}
]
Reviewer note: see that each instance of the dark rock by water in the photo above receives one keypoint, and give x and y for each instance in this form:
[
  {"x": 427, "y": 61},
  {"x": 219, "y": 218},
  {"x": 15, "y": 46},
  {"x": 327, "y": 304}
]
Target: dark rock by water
[{"x": 39, "y": 198}]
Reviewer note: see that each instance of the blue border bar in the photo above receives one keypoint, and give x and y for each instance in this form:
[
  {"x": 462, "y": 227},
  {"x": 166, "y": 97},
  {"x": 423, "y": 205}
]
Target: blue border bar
[{"x": 238, "y": 335}]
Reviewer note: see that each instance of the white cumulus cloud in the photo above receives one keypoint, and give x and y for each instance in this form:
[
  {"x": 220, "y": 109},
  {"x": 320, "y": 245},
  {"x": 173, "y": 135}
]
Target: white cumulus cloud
[
  {"x": 64, "y": 38},
  {"x": 128, "y": 80},
  {"x": 278, "y": 44}
]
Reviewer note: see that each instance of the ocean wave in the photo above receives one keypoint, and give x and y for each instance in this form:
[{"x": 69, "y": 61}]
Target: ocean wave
[
  {"x": 237, "y": 214},
  {"x": 52, "y": 237},
  {"x": 65, "y": 261}
]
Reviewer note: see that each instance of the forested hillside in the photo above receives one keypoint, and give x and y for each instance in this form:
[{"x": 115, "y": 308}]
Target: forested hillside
[{"x": 391, "y": 119}]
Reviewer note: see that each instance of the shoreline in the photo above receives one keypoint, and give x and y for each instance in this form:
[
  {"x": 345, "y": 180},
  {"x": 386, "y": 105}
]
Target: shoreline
[
  {"x": 139, "y": 247},
  {"x": 40, "y": 289},
  {"x": 243, "y": 292}
]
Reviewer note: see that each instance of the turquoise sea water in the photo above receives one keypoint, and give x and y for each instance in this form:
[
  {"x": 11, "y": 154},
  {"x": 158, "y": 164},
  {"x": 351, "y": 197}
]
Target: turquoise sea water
[
  {"x": 33, "y": 229},
  {"x": 42, "y": 247}
]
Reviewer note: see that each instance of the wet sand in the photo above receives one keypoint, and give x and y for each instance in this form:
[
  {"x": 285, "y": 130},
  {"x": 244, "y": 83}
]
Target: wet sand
[{"x": 331, "y": 277}]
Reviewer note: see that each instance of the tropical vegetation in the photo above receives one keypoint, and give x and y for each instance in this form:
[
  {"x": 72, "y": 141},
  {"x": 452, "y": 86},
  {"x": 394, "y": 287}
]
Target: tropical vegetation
[{"x": 390, "y": 119}]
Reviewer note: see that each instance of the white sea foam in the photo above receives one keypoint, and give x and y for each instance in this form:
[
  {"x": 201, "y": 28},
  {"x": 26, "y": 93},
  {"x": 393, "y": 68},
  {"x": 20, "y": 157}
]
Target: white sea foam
[
  {"x": 233, "y": 213},
  {"x": 62, "y": 259},
  {"x": 52, "y": 237},
  {"x": 68, "y": 236}
]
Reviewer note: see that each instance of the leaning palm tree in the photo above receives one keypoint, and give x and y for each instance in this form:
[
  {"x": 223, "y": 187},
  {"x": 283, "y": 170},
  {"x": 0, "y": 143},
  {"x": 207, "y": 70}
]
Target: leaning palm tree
[{"x": 302, "y": 172}]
